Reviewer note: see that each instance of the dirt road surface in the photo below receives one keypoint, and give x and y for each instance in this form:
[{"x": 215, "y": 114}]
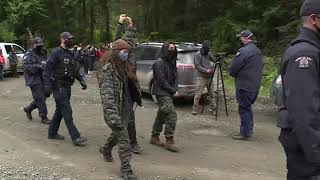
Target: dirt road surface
[{"x": 208, "y": 152}]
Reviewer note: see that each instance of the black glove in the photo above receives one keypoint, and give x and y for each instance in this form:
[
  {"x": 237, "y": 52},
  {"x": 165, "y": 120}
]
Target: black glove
[
  {"x": 84, "y": 85},
  {"x": 47, "y": 91}
]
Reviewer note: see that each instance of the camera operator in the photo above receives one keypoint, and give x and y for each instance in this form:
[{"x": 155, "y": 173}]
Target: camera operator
[
  {"x": 204, "y": 75},
  {"x": 246, "y": 68}
]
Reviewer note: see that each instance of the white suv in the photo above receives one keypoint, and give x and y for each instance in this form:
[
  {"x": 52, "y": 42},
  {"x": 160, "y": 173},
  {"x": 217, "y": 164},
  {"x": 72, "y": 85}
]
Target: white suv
[{"x": 6, "y": 47}]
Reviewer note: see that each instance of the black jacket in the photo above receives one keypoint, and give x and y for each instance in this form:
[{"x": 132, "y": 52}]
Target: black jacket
[
  {"x": 165, "y": 81},
  {"x": 301, "y": 82},
  {"x": 32, "y": 68},
  {"x": 246, "y": 68}
]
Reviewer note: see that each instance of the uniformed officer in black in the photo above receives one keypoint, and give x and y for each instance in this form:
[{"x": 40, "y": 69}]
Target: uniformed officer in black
[
  {"x": 60, "y": 74},
  {"x": 299, "y": 118},
  {"x": 33, "y": 65},
  {"x": 246, "y": 68}
]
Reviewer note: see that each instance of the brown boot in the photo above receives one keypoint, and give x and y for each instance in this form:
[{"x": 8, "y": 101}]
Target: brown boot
[
  {"x": 155, "y": 140},
  {"x": 170, "y": 145}
]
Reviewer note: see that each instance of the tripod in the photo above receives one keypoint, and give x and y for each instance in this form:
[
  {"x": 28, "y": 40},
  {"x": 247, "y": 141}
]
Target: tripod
[{"x": 220, "y": 75}]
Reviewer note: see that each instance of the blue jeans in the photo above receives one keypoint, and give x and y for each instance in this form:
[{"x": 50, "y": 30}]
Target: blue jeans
[
  {"x": 245, "y": 99},
  {"x": 61, "y": 96}
]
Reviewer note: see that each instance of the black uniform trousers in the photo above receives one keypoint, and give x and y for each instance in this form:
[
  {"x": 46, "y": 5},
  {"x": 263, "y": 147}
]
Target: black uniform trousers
[
  {"x": 61, "y": 96},
  {"x": 298, "y": 167},
  {"x": 39, "y": 100}
]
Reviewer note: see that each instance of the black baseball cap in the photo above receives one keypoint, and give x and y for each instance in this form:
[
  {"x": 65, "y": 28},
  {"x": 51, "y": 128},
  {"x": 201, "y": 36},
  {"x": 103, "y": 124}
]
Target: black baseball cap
[
  {"x": 246, "y": 33},
  {"x": 66, "y": 35},
  {"x": 310, "y": 7},
  {"x": 37, "y": 41}
]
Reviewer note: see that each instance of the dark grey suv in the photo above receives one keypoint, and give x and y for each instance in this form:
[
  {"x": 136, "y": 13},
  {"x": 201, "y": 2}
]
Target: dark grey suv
[{"x": 147, "y": 53}]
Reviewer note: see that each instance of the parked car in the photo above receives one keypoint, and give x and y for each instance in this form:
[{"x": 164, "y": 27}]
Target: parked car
[
  {"x": 277, "y": 91},
  {"x": 146, "y": 55},
  {"x": 6, "y": 47}
]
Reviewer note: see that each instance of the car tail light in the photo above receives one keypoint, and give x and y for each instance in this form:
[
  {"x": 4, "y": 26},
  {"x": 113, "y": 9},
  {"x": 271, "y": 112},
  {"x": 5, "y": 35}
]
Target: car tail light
[{"x": 185, "y": 66}]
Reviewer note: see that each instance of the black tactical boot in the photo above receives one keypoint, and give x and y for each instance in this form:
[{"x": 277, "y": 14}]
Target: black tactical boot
[
  {"x": 45, "y": 120},
  {"x": 56, "y": 137},
  {"x": 128, "y": 176},
  {"x": 28, "y": 111},
  {"x": 107, "y": 154}
]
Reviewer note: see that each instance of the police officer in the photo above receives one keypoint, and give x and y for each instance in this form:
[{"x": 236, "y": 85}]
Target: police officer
[
  {"x": 60, "y": 74},
  {"x": 300, "y": 116},
  {"x": 246, "y": 68},
  {"x": 33, "y": 66}
]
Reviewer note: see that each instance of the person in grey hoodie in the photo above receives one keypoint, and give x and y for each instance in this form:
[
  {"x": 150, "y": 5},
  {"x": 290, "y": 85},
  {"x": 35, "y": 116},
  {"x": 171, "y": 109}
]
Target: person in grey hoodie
[{"x": 204, "y": 63}]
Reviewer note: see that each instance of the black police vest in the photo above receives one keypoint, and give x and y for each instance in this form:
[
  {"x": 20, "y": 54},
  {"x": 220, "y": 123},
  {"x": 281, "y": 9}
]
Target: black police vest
[{"x": 65, "y": 70}]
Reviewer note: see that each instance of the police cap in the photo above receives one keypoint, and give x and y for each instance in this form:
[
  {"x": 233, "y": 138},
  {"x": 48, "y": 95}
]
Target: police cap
[
  {"x": 310, "y": 7},
  {"x": 37, "y": 41}
]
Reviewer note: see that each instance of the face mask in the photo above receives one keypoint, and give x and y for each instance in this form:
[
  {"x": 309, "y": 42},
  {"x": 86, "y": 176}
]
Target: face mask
[
  {"x": 68, "y": 43},
  {"x": 38, "y": 49},
  {"x": 123, "y": 55},
  {"x": 205, "y": 50}
]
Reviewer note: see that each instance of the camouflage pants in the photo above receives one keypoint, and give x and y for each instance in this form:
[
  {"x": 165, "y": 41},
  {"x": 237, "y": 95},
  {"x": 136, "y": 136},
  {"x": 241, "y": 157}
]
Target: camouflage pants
[
  {"x": 166, "y": 116},
  {"x": 121, "y": 138}
]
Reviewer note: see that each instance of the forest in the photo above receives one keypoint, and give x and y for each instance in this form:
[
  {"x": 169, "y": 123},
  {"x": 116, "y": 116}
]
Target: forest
[{"x": 274, "y": 22}]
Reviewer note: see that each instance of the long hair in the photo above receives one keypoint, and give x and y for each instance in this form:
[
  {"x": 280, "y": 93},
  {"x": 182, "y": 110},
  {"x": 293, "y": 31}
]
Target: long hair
[{"x": 123, "y": 68}]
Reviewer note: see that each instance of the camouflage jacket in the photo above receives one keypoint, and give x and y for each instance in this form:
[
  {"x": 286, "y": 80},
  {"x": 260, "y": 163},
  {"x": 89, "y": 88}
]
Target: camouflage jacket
[
  {"x": 111, "y": 92},
  {"x": 111, "y": 88}
]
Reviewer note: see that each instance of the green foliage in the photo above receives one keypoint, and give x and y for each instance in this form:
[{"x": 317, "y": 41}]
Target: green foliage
[{"x": 6, "y": 34}]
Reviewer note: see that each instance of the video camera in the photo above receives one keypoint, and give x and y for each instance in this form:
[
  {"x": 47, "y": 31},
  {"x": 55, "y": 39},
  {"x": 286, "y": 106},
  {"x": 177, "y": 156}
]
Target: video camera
[{"x": 221, "y": 56}]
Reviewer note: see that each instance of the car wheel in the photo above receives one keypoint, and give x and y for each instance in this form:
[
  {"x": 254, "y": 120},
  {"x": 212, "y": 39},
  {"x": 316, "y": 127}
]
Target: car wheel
[{"x": 153, "y": 96}]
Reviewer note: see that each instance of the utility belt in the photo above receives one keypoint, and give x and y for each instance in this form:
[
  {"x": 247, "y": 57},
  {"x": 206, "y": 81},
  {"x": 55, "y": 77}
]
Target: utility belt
[{"x": 63, "y": 83}]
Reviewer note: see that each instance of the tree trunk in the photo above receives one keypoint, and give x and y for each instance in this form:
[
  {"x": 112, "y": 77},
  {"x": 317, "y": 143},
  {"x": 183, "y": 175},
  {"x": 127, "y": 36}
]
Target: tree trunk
[{"x": 92, "y": 21}]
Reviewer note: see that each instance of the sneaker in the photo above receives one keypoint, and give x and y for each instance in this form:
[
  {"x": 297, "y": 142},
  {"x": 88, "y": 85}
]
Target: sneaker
[
  {"x": 80, "y": 141},
  {"x": 194, "y": 112},
  {"x": 135, "y": 148}
]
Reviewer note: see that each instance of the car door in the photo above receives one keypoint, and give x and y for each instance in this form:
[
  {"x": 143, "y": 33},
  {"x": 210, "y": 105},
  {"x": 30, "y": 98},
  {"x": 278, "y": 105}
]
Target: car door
[{"x": 146, "y": 56}]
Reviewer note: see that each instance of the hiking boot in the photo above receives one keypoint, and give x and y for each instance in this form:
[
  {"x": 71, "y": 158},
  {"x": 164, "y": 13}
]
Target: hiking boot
[
  {"x": 80, "y": 141},
  {"x": 107, "y": 155},
  {"x": 45, "y": 120},
  {"x": 128, "y": 176},
  {"x": 28, "y": 113},
  {"x": 240, "y": 137},
  {"x": 135, "y": 148},
  {"x": 170, "y": 145},
  {"x": 56, "y": 137},
  {"x": 155, "y": 140},
  {"x": 194, "y": 112}
]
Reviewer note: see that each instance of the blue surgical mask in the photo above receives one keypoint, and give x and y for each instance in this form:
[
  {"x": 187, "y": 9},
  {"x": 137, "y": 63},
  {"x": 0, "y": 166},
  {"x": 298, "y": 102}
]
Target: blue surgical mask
[{"x": 123, "y": 55}]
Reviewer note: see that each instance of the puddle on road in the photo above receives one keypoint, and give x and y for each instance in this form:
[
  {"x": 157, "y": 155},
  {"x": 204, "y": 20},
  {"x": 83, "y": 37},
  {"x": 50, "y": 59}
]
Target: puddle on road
[{"x": 212, "y": 132}]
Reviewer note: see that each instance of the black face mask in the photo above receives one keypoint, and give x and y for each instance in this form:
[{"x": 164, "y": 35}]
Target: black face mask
[
  {"x": 68, "y": 43},
  {"x": 205, "y": 50},
  {"x": 38, "y": 49},
  {"x": 172, "y": 55}
]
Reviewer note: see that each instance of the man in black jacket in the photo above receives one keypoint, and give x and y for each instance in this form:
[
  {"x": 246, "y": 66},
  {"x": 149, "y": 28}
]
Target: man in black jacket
[
  {"x": 299, "y": 118},
  {"x": 246, "y": 68},
  {"x": 165, "y": 86}
]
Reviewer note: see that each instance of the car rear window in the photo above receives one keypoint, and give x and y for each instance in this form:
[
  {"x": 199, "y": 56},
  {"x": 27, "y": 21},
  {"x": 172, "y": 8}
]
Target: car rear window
[{"x": 186, "y": 57}]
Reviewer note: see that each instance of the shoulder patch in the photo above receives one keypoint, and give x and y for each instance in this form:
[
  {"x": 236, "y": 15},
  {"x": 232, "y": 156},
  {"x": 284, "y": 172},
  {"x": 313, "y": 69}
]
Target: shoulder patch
[{"x": 304, "y": 62}]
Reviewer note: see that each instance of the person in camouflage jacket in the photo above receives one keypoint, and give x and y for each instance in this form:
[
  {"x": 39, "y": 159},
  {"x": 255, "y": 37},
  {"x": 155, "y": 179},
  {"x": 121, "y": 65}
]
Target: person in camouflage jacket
[{"x": 118, "y": 90}]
